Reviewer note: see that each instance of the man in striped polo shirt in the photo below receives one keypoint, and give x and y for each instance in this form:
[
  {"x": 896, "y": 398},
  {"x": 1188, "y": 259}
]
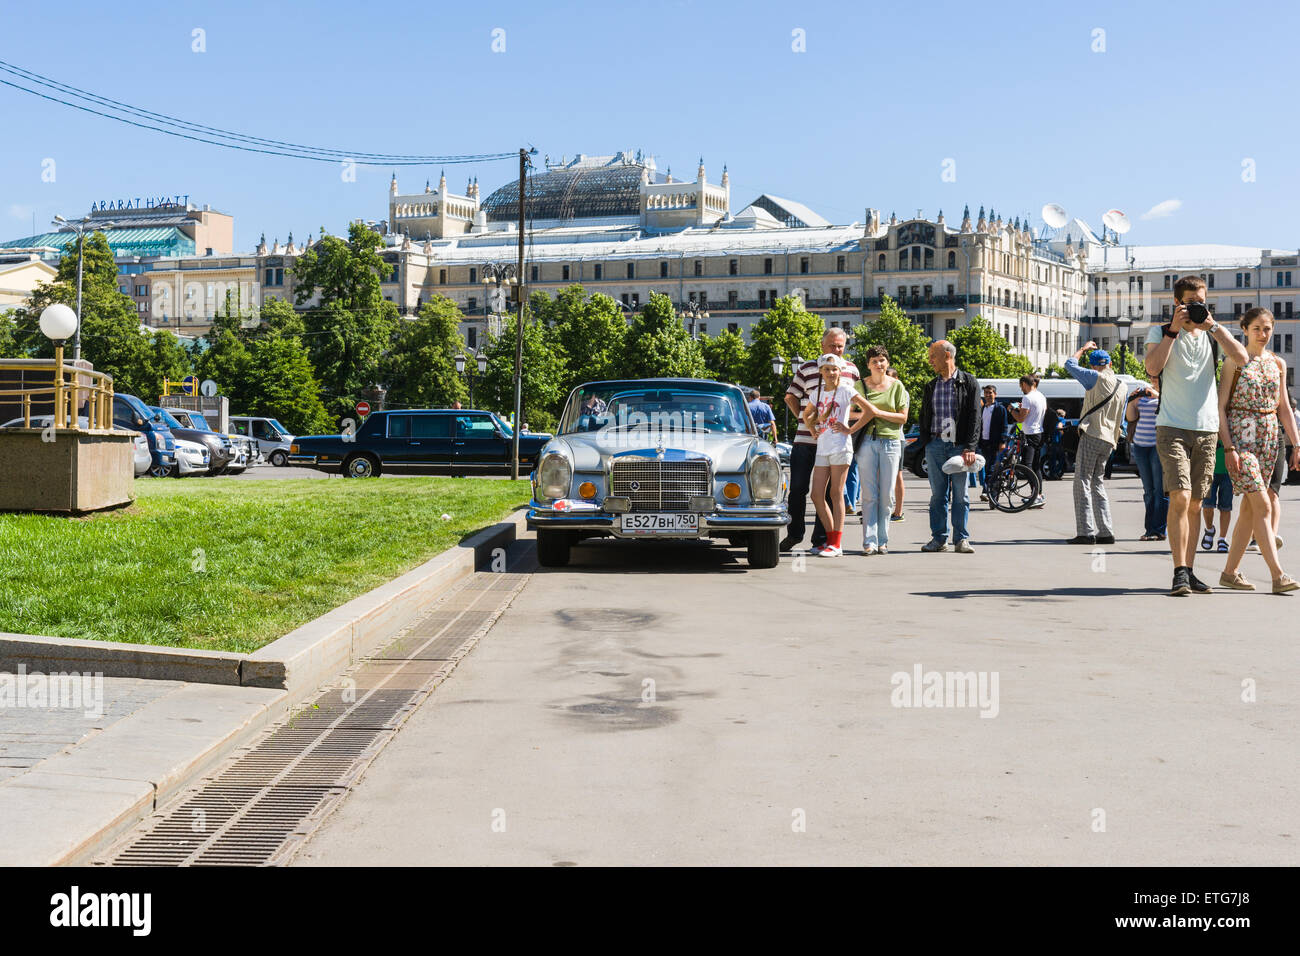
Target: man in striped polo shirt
[{"x": 807, "y": 380}]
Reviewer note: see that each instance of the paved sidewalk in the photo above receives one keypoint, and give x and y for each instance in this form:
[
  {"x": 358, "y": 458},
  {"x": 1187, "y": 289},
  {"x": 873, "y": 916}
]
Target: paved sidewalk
[{"x": 29, "y": 735}]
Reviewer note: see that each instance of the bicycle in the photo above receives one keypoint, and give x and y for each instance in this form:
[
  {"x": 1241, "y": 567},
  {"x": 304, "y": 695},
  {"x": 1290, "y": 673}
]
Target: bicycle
[{"x": 1012, "y": 485}]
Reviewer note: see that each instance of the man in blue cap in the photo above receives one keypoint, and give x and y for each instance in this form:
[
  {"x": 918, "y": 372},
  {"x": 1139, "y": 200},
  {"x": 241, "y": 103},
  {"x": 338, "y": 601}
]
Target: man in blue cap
[{"x": 1099, "y": 427}]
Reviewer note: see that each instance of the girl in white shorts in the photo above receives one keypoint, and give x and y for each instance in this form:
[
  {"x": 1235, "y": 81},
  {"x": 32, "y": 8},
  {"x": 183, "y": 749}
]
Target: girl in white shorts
[{"x": 827, "y": 417}]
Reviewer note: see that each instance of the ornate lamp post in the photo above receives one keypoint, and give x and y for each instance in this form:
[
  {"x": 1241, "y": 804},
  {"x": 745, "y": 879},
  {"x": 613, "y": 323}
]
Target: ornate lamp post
[
  {"x": 1122, "y": 326},
  {"x": 692, "y": 314},
  {"x": 502, "y": 276},
  {"x": 80, "y": 227},
  {"x": 481, "y": 361}
]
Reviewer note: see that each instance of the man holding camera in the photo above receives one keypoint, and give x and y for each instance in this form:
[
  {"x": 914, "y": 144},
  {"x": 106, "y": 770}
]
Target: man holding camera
[{"x": 1184, "y": 356}]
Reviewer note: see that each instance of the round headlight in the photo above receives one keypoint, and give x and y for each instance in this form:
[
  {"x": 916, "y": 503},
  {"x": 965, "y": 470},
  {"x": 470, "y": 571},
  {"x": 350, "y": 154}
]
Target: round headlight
[
  {"x": 554, "y": 475},
  {"x": 765, "y": 477}
]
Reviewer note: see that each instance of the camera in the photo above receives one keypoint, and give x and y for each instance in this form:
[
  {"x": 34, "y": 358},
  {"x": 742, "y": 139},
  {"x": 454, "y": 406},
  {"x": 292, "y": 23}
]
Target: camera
[{"x": 1197, "y": 313}]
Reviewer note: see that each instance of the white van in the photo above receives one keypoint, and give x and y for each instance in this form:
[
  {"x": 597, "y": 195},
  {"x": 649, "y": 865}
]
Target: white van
[
  {"x": 1066, "y": 394},
  {"x": 271, "y": 437}
]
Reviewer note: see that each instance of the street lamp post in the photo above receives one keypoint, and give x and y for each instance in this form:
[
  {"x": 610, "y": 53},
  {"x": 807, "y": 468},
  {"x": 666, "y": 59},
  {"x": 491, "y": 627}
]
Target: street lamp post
[
  {"x": 692, "y": 314},
  {"x": 778, "y": 369},
  {"x": 480, "y": 360},
  {"x": 79, "y": 227},
  {"x": 1122, "y": 326},
  {"x": 501, "y": 275},
  {"x": 57, "y": 323}
]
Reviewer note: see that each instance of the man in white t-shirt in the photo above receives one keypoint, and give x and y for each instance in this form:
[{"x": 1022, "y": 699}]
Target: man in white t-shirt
[{"x": 1030, "y": 415}]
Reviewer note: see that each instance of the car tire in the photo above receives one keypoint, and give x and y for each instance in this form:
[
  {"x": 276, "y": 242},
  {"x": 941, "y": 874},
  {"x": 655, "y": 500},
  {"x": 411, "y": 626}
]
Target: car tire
[
  {"x": 764, "y": 549},
  {"x": 158, "y": 471},
  {"x": 279, "y": 459},
  {"x": 553, "y": 548},
  {"x": 363, "y": 465}
]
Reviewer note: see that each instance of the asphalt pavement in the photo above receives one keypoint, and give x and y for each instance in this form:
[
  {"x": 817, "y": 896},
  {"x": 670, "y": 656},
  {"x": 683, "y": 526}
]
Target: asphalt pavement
[{"x": 1031, "y": 703}]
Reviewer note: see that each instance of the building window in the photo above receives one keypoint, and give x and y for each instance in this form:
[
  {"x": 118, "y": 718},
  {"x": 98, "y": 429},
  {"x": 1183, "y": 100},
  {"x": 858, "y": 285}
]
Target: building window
[
  {"x": 733, "y": 267},
  {"x": 762, "y": 298},
  {"x": 903, "y": 260},
  {"x": 472, "y": 304},
  {"x": 1209, "y": 280},
  {"x": 771, "y": 295},
  {"x": 880, "y": 292},
  {"x": 663, "y": 270},
  {"x": 704, "y": 301},
  {"x": 533, "y": 273},
  {"x": 471, "y": 337},
  {"x": 473, "y": 274},
  {"x": 949, "y": 326},
  {"x": 732, "y": 299},
  {"x": 952, "y": 260},
  {"x": 844, "y": 296},
  {"x": 803, "y": 265},
  {"x": 442, "y": 277},
  {"x": 929, "y": 258},
  {"x": 625, "y": 299},
  {"x": 929, "y": 293},
  {"x": 699, "y": 268},
  {"x": 880, "y": 262},
  {"x": 597, "y": 271},
  {"x": 835, "y": 298},
  {"x": 631, "y": 270},
  {"x": 950, "y": 290},
  {"x": 767, "y": 267},
  {"x": 733, "y": 327},
  {"x": 636, "y": 299},
  {"x": 840, "y": 263},
  {"x": 565, "y": 273}
]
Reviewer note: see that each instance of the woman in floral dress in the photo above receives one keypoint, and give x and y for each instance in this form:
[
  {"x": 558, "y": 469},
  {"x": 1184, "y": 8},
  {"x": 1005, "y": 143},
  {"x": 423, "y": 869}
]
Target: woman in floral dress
[{"x": 1248, "y": 425}]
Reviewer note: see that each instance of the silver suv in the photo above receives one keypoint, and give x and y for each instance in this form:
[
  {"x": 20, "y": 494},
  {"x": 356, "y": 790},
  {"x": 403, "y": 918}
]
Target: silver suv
[{"x": 272, "y": 438}]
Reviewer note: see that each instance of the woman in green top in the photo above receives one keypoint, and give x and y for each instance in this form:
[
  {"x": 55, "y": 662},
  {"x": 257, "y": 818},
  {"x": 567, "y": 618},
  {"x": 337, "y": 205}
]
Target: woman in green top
[{"x": 882, "y": 449}]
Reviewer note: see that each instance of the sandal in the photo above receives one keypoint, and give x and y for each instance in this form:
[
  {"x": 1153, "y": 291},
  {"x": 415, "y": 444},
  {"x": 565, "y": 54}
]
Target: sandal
[{"x": 1207, "y": 540}]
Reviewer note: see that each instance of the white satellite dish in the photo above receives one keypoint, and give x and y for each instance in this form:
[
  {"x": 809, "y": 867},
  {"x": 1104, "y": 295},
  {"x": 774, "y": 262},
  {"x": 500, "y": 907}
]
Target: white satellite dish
[
  {"x": 1117, "y": 221},
  {"x": 1054, "y": 215}
]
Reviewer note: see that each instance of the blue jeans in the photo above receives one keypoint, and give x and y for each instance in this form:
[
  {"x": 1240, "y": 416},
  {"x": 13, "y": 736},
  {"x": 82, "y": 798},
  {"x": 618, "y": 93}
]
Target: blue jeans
[
  {"x": 879, "y": 459},
  {"x": 946, "y": 490},
  {"x": 1154, "y": 498},
  {"x": 851, "y": 484}
]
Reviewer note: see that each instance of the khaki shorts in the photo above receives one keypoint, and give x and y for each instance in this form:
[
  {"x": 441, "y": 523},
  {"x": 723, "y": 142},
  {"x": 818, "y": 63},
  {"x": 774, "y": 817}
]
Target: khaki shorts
[{"x": 1186, "y": 459}]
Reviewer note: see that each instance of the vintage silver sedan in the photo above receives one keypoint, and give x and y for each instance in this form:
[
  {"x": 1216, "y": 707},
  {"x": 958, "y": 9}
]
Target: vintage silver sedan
[{"x": 658, "y": 458}]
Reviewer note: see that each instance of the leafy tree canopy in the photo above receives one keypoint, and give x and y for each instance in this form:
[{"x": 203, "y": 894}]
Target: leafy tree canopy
[
  {"x": 658, "y": 346},
  {"x": 906, "y": 344}
]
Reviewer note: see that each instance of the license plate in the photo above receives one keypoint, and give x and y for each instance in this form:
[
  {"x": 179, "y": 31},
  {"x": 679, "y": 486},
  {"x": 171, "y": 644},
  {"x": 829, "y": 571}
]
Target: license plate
[{"x": 660, "y": 523}]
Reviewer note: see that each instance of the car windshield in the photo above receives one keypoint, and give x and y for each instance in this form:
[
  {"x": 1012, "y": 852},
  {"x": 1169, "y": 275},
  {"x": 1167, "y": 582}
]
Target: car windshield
[
  {"x": 199, "y": 421},
  {"x": 625, "y": 406},
  {"x": 167, "y": 417},
  {"x": 277, "y": 426},
  {"x": 503, "y": 425}
]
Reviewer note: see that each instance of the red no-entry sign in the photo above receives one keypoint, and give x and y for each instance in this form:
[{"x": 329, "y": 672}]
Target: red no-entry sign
[{"x": 363, "y": 409}]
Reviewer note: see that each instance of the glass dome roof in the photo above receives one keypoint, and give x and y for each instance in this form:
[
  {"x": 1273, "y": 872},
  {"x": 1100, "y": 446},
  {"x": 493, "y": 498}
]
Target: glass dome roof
[{"x": 573, "y": 193}]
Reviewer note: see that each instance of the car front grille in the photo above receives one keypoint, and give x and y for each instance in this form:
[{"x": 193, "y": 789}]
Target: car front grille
[{"x": 654, "y": 485}]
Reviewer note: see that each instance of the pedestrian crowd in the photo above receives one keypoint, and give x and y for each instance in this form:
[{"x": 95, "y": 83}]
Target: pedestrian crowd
[{"x": 1198, "y": 442}]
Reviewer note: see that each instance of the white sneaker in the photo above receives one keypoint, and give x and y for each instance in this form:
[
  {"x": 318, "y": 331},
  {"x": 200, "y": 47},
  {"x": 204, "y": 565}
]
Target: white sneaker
[
  {"x": 1038, "y": 502},
  {"x": 830, "y": 551},
  {"x": 883, "y": 549},
  {"x": 869, "y": 550}
]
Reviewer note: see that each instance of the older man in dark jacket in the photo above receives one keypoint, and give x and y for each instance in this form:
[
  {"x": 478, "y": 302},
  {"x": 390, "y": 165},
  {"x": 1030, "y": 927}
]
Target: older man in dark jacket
[{"x": 950, "y": 425}]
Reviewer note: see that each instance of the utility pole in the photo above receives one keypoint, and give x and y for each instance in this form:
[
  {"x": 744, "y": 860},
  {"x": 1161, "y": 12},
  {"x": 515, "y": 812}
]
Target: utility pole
[{"x": 519, "y": 328}]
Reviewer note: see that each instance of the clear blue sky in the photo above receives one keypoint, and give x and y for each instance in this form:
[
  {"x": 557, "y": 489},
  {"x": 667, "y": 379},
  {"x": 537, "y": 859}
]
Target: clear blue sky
[{"x": 884, "y": 93}]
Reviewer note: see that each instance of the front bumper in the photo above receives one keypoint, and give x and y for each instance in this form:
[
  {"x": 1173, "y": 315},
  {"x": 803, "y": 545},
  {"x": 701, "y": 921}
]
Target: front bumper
[{"x": 749, "y": 519}]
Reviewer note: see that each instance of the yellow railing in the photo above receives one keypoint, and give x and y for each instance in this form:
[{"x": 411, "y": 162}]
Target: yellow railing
[{"x": 94, "y": 388}]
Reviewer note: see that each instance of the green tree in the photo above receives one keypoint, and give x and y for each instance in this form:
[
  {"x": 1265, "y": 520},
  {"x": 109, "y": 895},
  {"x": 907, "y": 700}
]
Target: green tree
[
  {"x": 227, "y": 362},
  {"x": 543, "y": 375},
  {"x": 982, "y": 351},
  {"x": 282, "y": 385},
  {"x": 726, "y": 358},
  {"x": 786, "y": 330},
  {"x": 166, "y": 359},
  {"x": 346, "y": 348},
  {"x": 8, "y": 336},
  {"x": 347, "y": 272},
  {"x": 1130, "y": 364},
  {"x": 907, "y": 345},
  {"x": 658, "y": 346},
  {"x": 420, "y": 369},
  {"x": 589, "y": 329},
  {"x": 278, "y": 316},
  {"x": 1055, "y": 370}
]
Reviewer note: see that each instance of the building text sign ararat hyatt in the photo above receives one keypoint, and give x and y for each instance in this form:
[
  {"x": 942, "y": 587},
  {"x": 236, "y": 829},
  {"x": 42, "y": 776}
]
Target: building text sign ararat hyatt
[{"x": 180, "y": 200}]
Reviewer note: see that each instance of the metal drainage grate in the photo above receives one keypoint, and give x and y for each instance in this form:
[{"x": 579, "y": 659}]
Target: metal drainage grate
[{"x": 263, "y": 802}]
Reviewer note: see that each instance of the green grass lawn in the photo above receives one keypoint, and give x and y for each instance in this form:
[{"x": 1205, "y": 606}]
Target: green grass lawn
[{"x": 273, "y": 555}]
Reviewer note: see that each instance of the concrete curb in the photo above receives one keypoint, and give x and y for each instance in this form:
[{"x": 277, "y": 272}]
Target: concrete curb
[
  {"x": 71, "y": 806},
  {"x": 296, "y": 662}
]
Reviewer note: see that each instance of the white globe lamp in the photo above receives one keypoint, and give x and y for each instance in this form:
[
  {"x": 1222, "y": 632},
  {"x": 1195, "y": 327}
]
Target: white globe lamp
[{"x": 58, "y": 322}]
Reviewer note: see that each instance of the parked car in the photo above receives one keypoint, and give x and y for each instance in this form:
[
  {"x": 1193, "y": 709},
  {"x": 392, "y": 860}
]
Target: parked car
[
  {"x": 219, "y": 449},
  {"x": 132, "y": 414},
  {"x": 431, "y": 440},
  {"x": 192, "y": 458},
  {"x": 195, "y": 421},
  {"x": 914, "y": 452},
  {"x": 142, "y": 459},
  {"x": 658, "y": 458},
  {"x": 272, "y": 438}
]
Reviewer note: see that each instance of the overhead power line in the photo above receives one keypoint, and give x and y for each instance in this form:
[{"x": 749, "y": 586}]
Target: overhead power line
[{"x": 215, "y": 136}]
